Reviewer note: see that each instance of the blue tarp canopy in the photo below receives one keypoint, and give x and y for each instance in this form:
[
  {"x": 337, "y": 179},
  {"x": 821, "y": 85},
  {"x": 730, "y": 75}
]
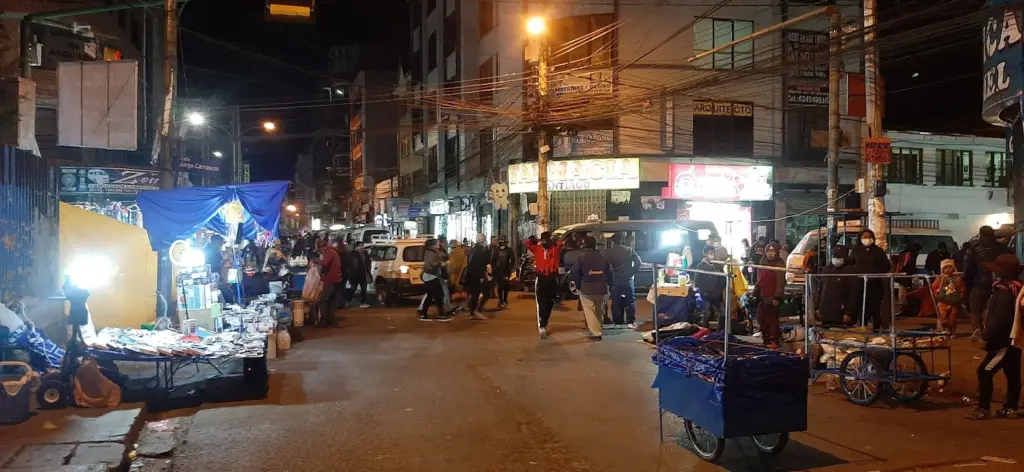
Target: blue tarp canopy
[{"x": 170, "y": 215}]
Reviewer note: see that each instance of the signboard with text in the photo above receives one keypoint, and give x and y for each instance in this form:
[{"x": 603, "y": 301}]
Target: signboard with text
[
  {"x": 208, "y": 167},
  {"x": 583, "y": 143},
  {"x": 589, "y": 83},
  {"x": 719, "y": 183},
  {"x": 583, "y": 174},
  {"x": 1001, "y": 46},
  {"x": 107, "y": 180},
  {"x": 877, "y": 150}
]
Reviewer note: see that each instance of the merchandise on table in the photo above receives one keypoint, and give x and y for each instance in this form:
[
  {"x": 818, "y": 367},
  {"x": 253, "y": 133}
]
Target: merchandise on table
[{"x": 169, "y": 343}]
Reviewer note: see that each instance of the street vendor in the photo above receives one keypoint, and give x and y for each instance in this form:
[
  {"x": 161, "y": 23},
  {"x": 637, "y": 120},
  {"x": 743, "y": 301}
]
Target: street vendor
[
  {"x": 838, "y": 298},
  {"x": 770, "y": 289}
]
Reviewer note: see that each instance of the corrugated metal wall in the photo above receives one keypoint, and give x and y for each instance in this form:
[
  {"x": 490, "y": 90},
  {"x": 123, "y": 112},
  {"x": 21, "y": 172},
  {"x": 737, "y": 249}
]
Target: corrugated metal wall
[{"x": 28, "y": 225}]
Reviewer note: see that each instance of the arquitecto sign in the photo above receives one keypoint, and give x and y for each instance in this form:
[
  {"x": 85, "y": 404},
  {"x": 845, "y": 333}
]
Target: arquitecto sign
[
  {"x": 583, "y": 174},
  {"x": 719, "y": 183}
]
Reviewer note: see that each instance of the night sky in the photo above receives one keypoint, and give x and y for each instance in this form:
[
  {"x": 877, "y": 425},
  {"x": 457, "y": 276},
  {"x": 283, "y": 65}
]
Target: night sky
[{"x": 229, "y": 52}]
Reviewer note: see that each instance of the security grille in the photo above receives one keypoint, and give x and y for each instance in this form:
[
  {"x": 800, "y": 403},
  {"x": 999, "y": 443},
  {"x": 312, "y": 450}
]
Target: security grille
[{"x": 574, "y": 206}]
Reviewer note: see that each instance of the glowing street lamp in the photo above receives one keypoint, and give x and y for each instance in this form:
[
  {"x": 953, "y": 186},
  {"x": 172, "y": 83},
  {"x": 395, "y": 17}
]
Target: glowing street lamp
[
  {"x": 195, "y": 118},
  {"x": 269, "y": 126},
  {"x": 536, "y": 26},
  {"x": 218, "y": 154},
  {"x": 292, "y": 208}
]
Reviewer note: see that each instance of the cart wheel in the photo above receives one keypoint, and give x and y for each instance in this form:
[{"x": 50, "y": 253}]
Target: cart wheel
[
  {"x": 51, "y": 392},
  {"x": 858, "y": 377},
  {"x": 707, "y": 446},
  {"x": 910, "y": 365},
  {"x": 771, "y": 443}
]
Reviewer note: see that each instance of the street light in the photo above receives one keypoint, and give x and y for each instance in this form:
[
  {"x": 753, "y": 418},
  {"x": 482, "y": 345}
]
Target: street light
[
  {"x": 196, "y": 119},
  {"x": 218, "y": 154},
  {"x": 536, "y": 26},
  {"x": 269, "y": 126},
  {"x": 292, "y": 208}
]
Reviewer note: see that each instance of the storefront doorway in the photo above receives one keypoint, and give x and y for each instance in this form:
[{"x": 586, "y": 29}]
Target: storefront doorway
[{"x": 731, "y": 219}]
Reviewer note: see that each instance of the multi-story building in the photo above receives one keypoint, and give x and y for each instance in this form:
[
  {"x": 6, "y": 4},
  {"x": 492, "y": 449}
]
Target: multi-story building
[
  {"x": 374, "y": 118},
  {"x": 718, "y": 138}
]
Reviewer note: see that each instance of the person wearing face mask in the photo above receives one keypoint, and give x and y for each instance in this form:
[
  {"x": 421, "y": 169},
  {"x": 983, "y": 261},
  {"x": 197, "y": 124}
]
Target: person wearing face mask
[
  {"x": 712, "y": 289},
  {"x": 837, "y": 300},
  {"x": 504, "y": 263},
  {"x": 770, "y": 289},
  {"x": 715, "y": 241},
  {"x": 871, "y": 259},
  {"x": 546, "y": 258}
]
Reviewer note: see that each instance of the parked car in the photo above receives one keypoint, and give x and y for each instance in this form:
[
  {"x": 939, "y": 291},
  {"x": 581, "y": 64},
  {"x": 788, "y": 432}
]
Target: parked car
[{"x": 396, "y": 267}]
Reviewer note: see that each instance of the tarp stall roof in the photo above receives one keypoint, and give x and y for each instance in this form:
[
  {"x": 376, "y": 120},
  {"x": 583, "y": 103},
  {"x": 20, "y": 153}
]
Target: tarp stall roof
[{"x": 170, "y": 215}]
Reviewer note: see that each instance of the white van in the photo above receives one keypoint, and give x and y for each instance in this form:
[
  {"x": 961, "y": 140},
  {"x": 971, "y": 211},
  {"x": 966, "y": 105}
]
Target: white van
[
  {"x": 899, "y": 238},
  {"x": 367, "y": 234}
]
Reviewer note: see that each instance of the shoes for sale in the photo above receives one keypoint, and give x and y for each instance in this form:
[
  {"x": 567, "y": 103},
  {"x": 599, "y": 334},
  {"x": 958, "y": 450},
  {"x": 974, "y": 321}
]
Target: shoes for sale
[
  {"x": 1008, "y": 413},
  {"x": 543, "y": 333},
  {"x": 979, "y": 414}
]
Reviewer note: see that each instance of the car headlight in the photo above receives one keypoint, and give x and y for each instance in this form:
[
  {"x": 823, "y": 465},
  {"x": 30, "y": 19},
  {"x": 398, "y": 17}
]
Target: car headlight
[{"x": 403, "y": 269}]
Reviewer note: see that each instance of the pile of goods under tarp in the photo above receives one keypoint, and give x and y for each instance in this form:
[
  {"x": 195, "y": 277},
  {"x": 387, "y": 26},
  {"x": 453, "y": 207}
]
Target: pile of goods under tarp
[
  {"x": 169, "y": 343},
  {"x": 751, "y": 391},
  {"x": 837, "y": 344}
]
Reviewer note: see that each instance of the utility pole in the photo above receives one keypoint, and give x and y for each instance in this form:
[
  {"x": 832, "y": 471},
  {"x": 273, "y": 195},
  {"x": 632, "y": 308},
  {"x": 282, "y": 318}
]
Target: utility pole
[
  {"x": 166, "y": 160},
  {"x": 834, "y": 131},
  {"x": 236, "y": 147},
  {"x": 876, "y": 203},
  {"x": 537, "y": 51}
]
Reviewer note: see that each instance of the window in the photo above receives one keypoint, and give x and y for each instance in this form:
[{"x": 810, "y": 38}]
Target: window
[
  {"x": 906, "y": 166},
  {"x": 709, "y": 33},
  {"x": 405, "y": 147},
  {"x": 955, "y": 168},
  {"x": 412, "y": 254},
  {"x": 486, "y": 82},
  {"x": 451, "y": 158},
  {"x": 486, "y": 18},
  {"x": 723, "y": 129},
  {"x": 431, "y": 52},
  {"x": 995, "y": 170},
  {"x": 432, "y": 166}
]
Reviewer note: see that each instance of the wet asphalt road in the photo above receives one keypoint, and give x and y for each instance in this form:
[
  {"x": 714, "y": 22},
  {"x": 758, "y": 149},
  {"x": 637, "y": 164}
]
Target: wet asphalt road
[{"x": 386, "y": 392}]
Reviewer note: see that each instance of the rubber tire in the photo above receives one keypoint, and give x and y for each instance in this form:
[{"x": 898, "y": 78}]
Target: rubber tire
[
  {"x": 846, "y": 389},
  {"x": 384, "y": 296},
  {"x": 922, "y": 368},
  {"x": 779, "y": 446},
  {"x": 709, "y": 456},
  {"x": 49, "y": 386}
]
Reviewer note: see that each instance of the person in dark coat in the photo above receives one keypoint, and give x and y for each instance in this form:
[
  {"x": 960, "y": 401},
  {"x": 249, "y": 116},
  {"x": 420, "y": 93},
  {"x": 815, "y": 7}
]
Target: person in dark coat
[
  {"x": 712, "y": 289},
  {"x": 593, "y": 277},
  {"x": 478, "y": 276},
  {"x": 359, "y": 273},
  {"x": 770, "y": 289},
  {"x": 838, "y": 298},
  {"x": 959, "y": 255},
  {"x": 503, "y": 262},
  {"x": 1001, "y": 353},
  {"x": 868, "y": 258},
  {"x": 979, "y": 279},
  {"x": 933, "y": 262}
]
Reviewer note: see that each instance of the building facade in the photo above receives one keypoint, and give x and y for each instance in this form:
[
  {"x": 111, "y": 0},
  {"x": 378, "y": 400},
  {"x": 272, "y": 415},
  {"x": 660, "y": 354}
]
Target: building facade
[{"x": 374, "y": 116}]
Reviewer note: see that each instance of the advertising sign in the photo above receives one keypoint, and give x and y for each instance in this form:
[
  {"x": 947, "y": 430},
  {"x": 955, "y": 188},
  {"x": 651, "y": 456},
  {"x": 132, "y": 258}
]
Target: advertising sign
[
  {"x": 877, "y": 150},
  {"x": 417, "y": 210},
  {"x": 719, "y": 183},
  {"x": 589, "y": 174},
  {"x": 98, "y": 104},
  {"x": 590, "y": 83},
  {"x": 1001, "y": 81},
  {"x": 806, "y": 53},
  {"x": 438, "y": 207},
  {"x": 807, "y": 94},
  {"x": 210, "y": 167},
  {"x": 596, "y": 142},
  {"x": 107, "y": 181}
]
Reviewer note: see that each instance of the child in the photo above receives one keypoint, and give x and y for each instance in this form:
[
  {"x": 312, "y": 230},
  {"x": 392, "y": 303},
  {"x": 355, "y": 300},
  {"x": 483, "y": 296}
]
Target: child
[
  {"x": 949, "y": 291},
  {"x": 1001, "y": 353}
]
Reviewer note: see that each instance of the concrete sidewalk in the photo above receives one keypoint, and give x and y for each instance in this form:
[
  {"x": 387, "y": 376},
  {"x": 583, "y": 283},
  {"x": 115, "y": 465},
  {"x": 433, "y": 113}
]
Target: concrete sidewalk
[{"x": 71, "y": 439}]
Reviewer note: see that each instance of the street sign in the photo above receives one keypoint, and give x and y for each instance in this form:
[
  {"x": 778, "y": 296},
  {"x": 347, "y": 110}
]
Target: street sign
[{"x": 877, "y": 150}]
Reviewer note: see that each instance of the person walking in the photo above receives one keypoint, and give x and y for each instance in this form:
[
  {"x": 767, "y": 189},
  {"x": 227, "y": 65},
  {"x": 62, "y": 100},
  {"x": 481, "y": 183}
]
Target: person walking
[
  {"x": 457, "y": 261},
  {"x": 433, "y": 265},
  {"x": 330, "y": 265},
  {"x": 1002, "y": 350},
  {"x": 770, "y": 288},
  {"x": 979, "y": 279},
  {"x": 593, "y": 276},
  {"x": 478, "y": 277},
  {"x": 625, "y": 264},
  {"x": 360, "y": 274},
  {"x": 545, "y": 257},
  {"x": 868, "y": 258},
  {"x": 504, "y": 264}
]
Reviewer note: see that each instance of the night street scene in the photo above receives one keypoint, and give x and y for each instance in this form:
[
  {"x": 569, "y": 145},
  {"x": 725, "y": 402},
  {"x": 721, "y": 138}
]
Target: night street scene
[{"x": 511, "y": 235}]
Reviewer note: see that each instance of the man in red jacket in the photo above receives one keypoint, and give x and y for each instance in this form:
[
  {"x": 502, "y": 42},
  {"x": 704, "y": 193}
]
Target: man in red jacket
[
  {"x": 330, "y": 269},
  {"x": 545, "y": 256}
]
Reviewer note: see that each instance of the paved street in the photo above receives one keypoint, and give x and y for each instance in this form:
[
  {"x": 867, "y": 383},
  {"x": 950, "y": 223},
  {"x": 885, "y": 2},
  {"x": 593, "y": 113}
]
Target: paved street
[{"x": 390, "y": 393}]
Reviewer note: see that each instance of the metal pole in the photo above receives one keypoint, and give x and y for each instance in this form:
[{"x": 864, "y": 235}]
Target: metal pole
[
  {"x": 876, "y": 204},
  {"x": 657, "y": 343},
  {"x": 759, "y": 33},
  {"x": 236, "y": 147},
  {"x": 728, "y": 311},
  {"x": 170, "y": 73},
  {"x": 25, "y": 47},
  {"x": 834, "y": 132},
  {"x": 542, "y": 158}
]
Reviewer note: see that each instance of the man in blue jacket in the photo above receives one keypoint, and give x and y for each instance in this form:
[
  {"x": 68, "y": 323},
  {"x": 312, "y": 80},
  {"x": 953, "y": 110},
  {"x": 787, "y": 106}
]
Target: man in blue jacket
[{"x": 593, "y": 276}]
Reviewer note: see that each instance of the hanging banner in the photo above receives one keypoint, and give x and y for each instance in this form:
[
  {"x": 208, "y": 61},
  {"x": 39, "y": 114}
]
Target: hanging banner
[
  {"x": 589, "y": 174},
  {"x": 107, "y": 180},
  {"x": 719, "y": 183}
]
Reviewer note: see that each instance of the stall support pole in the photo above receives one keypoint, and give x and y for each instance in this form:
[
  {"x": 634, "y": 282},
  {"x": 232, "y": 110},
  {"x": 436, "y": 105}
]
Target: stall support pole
[
  {"x": 864, "y": 300},
  {"x": 728, "y": 311},
  {"x": 654, "y": 319}
]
